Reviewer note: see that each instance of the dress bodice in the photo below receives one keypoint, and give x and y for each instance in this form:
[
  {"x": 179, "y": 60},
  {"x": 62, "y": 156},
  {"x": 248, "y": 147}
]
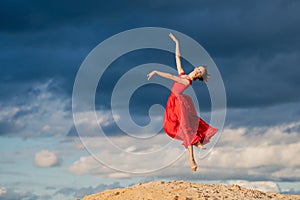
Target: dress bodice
[{"x": 178, "y": 88}]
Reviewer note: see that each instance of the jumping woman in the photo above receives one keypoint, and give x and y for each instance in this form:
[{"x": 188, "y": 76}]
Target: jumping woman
[{"x": 180, "y": 119}]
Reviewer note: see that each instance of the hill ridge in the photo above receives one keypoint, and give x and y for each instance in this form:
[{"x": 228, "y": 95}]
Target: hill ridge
[{"x": 183, "y": 190}]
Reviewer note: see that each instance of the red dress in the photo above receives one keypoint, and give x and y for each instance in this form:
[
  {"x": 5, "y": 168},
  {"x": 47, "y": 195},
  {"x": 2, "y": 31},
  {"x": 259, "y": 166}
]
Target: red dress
[{"x": 181, "y": 120}]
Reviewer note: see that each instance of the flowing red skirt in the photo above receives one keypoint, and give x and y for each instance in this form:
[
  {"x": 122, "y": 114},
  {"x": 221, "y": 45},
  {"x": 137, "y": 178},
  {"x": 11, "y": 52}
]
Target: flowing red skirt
[{"x": 182, "y": 122}]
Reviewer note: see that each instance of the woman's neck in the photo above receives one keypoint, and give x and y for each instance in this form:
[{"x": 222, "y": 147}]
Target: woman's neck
[{"x": 190, "y": 76}]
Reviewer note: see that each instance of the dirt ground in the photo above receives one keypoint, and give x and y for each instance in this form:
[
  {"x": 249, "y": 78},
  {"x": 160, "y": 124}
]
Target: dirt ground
[{"x": 182, "y": 190}]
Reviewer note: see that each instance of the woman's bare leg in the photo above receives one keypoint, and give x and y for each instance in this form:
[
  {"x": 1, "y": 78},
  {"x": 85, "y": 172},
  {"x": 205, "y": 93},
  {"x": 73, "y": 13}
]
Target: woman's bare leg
[{"x": 192, "y": 160}]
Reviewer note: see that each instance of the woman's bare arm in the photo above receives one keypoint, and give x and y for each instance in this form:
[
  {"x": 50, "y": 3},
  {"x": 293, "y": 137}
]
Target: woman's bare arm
[
  {"x": 177, "y": 54},
  {"x": 168, "y": 76}
]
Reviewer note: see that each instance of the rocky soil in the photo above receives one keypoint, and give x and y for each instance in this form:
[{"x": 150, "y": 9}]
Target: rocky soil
[{"x": 182, "y": 190}]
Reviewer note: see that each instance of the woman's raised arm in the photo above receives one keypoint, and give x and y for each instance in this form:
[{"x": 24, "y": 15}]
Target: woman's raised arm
[
  {"x": 168, "y": 76},
  {"x": 177, "y": 54}
]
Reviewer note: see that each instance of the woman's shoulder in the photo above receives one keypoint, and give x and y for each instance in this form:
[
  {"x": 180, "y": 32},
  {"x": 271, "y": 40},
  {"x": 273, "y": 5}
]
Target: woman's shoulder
[{"x": 183, "y": 75}]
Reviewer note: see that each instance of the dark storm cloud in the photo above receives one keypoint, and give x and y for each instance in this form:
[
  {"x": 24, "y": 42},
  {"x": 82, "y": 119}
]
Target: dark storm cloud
[
  {"x": 255, "y": 28},
  {"x": 31, "y": 14},
  {"x": 254, "y": 44},
  {"x": 8, "y": 126}
]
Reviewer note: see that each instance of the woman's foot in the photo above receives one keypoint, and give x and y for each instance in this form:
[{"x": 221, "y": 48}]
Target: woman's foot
[
  {"x": 193, "y": 165},
  {"x": 200, "y": 146},
  {"x": 194, "y": 168}
]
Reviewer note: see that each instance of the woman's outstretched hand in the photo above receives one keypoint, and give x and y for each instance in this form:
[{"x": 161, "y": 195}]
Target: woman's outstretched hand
[
  {"x": 173, "y": 37},
  {"x": 151, "y": 74}
]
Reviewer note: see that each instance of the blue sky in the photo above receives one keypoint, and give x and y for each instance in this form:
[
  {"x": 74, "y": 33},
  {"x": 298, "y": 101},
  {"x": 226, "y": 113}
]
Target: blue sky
[{"x": 255, "y": 46}]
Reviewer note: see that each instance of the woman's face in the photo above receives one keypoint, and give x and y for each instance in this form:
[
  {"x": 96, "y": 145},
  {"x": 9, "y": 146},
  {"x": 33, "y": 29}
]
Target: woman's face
[{"x": 198, "y": 71}]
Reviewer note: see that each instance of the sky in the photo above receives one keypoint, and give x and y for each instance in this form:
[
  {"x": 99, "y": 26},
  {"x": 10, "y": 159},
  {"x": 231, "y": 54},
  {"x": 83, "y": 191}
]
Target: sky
[{"x": 254, "y": 45}]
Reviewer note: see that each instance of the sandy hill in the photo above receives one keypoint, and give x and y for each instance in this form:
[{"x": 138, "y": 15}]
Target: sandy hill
[{"x": 182, "y": 190}]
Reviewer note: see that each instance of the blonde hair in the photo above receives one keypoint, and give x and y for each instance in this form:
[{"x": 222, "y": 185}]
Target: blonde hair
[{"x": 204, "y": 77}]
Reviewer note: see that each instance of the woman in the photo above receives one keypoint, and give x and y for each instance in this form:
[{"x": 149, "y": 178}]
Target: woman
[{"x": 180, "y": 119}]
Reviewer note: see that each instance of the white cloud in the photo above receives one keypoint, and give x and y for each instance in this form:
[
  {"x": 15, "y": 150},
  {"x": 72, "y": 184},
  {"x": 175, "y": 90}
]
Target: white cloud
[
  {"x": 257, "y": 153},
  {"x": 87, "y": 123},
  {"x": 265, "y": 153},
  {"x": 2, "y": 191},
  {"x": 264, "y": 186},
  {"x": 103, "y": 118},
  {"x": 46, "y": 158},
  {"x": 43, "y": 112},
  {"x": 126, "y": 155},
  {"x": 288, "y": 173},
  {"x": 119, "y": 175},
  {"x": 39, "y": 112},
  {"x": 84, "y": 165}
]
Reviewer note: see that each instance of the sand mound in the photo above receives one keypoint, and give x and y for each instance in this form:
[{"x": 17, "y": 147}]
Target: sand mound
[{"x": 182, "y": 190}]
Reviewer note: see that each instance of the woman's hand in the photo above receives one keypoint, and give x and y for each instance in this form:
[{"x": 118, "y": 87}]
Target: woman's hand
[
  {"x": 173, "y": 38},
  {"x": 151, "y": 74}
]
